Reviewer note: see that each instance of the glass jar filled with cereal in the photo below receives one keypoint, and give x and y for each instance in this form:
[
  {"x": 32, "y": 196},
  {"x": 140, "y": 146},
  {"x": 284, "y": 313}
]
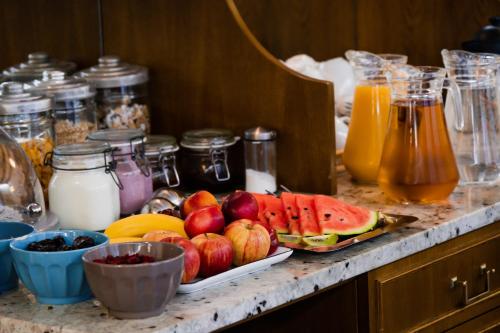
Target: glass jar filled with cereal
[
  {"x": 122, "y": 93},
  {"x": 74, "y": 105},
  {"x": 27, "y": 119}
]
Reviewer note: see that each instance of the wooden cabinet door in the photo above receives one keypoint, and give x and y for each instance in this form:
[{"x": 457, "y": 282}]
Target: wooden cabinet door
[{"x": 415, "y": 294}]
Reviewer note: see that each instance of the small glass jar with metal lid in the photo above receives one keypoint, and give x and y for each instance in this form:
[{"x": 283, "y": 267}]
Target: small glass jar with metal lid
[
  {"x": 83, "y": 191},
  {"x": 132, "y": 167},
  {"x": 209, "y": 160},
  {"x": 38, "y": 62},
  {"x": 74, "y": 105},
  {"x": 260, "y": 160},
  {"x": 161, "y": 151},
  {"x": 27, "y": 118},
  {"x": 122, "y": 93}
]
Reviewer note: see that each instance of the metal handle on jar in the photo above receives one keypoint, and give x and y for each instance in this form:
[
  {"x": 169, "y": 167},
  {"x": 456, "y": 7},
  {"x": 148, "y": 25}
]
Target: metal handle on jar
[
  {"x": 219, "y": 161},
  {"x": 466, "y": 300},
  {"x": 456, "y": 96},
  {"x": 139, "y": 156},
  {"x": 167, "y": 162}
]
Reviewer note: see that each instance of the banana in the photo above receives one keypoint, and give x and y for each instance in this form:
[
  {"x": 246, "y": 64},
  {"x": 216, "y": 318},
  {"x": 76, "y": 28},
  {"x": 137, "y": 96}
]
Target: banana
[
  {"x": 139, "y": 225},
  {"x": 125, "y": 240}
]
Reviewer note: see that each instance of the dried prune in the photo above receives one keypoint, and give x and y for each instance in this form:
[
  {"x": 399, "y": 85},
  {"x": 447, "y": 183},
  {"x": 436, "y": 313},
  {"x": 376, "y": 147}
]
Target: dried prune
[
  {"x": 58, "y": 244},
  {"x": 82, "y": 242}
]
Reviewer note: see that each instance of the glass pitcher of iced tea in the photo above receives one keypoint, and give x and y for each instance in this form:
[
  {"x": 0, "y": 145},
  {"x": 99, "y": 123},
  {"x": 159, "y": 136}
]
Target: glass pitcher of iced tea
[
  {"x": 370, "y": 113},
  {"x": 417, "y": 162},
  {"x": 475, "y": 137}
]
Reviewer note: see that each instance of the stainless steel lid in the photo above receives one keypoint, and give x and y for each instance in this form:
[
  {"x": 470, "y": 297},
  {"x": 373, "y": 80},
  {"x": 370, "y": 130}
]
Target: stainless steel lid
[
  {"x": 156, "y": 144},
  {"x": 55, "y": 84},
  {"x": 118, "y": 137},
  {"x": 37, "y": 63},
  {"x": 259, "y": 134},
  {"x": 111, "y": 73},
  {"x": 208, "y": 138},
  {"x": 14, "y": 100}
]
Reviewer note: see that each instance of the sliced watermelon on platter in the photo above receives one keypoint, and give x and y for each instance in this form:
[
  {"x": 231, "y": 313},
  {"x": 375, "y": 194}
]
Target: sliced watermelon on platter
[
  {"x": 291, "y": 212},
  {"x": 308, "y": 223},
  {"x": 338, "y": 217},
  {"x": 271, "y": 212}
]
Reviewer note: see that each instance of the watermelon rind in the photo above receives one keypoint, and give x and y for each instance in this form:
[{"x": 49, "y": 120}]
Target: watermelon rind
[{"x": 370, "y": 223}]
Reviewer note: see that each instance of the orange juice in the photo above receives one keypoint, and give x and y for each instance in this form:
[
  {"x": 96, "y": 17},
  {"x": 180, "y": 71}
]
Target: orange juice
[{"x": 367, "y": 130}]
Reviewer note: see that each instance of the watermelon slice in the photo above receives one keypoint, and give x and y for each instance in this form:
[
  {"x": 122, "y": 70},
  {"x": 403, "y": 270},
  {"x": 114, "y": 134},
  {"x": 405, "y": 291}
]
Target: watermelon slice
[
  {"x": 308, "y": 222},
  {"x": 271, "y": 212},
  {"x": 338, "y": 217},
  {"x": 261, "y": 199},
  {"x": 291, "y": 212}
]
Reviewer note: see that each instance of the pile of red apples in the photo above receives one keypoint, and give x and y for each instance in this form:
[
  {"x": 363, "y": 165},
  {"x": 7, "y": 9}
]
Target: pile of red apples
[{"x": 220, "y": 235}]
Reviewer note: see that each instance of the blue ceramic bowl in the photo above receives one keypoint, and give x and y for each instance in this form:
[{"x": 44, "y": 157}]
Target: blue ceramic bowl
[
  {"x": 8, "y": 232},
  {"x": 54, "y": 277}
]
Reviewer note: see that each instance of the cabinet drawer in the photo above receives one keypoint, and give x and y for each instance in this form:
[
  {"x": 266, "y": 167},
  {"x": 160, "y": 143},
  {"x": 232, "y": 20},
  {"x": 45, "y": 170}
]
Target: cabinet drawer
[{"x": 424, "y": 293}]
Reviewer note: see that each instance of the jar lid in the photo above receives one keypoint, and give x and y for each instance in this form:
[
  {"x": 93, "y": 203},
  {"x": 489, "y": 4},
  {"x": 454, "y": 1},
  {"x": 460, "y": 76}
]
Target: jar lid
[
  {"x": 111, "y": 73},
  {"x": 208, "y": 138},
  {"x": 84, "y": 148},
  {"x": 156, "y": 144},
  {"x": 56, "y": 84},
  {"x": 259, "y": 134},
  {"x": 118, "y": 137},
  {"x": 37, "y": 63},
  {"x": 80, "y": 156},
  {"x": 15, "y": 100}
]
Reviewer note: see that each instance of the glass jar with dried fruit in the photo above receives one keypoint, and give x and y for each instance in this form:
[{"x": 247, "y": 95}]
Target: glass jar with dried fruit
[
  {"x": 122, "y": 93},
  {"x": 74, "y": 105},
  {"x": 27, "y": 119},
  {"x": 161, "y": 151}
]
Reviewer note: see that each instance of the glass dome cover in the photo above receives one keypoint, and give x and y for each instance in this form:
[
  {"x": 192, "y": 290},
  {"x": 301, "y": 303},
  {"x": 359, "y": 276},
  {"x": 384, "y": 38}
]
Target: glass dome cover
[{"x": 21, "y": 196}]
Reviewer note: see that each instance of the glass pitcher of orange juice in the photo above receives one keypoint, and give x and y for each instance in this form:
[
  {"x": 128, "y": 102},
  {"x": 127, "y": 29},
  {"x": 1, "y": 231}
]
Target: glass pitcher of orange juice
[
  {"x": 417, "y": 162},
  {"x": 370, "y": 113}
]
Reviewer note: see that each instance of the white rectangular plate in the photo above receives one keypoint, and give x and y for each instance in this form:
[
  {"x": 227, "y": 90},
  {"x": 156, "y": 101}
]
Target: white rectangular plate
[{"x": 198, "y": 284}]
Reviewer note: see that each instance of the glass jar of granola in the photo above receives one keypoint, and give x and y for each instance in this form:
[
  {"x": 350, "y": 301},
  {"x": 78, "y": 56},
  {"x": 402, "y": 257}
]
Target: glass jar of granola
[
  {"x": 122, "y": 93},
  {"x": 74, "y": 105},
  {"x": 27, "y": 119}
]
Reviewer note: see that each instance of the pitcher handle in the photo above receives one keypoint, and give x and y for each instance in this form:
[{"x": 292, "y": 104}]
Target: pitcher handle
[{"x": 456, "y": 96}]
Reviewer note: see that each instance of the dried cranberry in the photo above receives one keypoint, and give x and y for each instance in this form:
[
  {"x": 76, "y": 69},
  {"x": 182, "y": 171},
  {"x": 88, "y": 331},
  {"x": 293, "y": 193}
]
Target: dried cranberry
[{"x": 125, "y": 259}]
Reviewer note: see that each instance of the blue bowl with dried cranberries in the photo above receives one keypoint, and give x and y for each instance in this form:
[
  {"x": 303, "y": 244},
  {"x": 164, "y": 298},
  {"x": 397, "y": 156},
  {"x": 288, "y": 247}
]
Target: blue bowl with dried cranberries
[{"x": 50, "y": 264}]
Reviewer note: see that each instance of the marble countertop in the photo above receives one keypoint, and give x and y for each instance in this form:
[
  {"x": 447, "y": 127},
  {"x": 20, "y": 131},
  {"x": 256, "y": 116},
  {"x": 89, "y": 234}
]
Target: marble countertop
[{"x": 467, "y": 209}]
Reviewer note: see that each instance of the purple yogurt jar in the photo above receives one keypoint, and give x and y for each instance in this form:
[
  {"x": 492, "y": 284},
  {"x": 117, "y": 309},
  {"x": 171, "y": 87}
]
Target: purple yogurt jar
[{"x": 132, "y": 168}]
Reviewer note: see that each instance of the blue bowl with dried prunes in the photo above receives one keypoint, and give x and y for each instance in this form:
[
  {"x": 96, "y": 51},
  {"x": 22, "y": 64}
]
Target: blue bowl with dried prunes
[{"x": 50, "y": 264}]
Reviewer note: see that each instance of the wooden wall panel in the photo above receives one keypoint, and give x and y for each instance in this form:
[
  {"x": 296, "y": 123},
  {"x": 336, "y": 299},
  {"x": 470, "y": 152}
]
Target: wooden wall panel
[
  {"x": 322, "y": 28},
  {"x": 420, "y": 28},
  {"x": 66, "y": 29},
  {"x": 208, "y": 71},
  {"x": 326, "y": 28}
]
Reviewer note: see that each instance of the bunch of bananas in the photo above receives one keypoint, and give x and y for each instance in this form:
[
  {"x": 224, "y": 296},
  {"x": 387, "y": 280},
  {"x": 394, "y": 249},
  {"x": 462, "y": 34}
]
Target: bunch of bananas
[{"x": 132, "y": 228}]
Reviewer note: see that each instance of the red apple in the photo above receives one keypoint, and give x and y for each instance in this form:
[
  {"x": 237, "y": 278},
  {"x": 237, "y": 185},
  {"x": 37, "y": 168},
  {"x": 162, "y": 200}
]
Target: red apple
[
  {"x": 196, "y": 201},
  {"x": 251, "y": 241},
  {"x": 240, "y": 205},
  {"x": 272, "y": 234},
  {"x": 216, "y": 253},
  {"x": 191, "y": 257},
  {"x": 204, "y": 220}
]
